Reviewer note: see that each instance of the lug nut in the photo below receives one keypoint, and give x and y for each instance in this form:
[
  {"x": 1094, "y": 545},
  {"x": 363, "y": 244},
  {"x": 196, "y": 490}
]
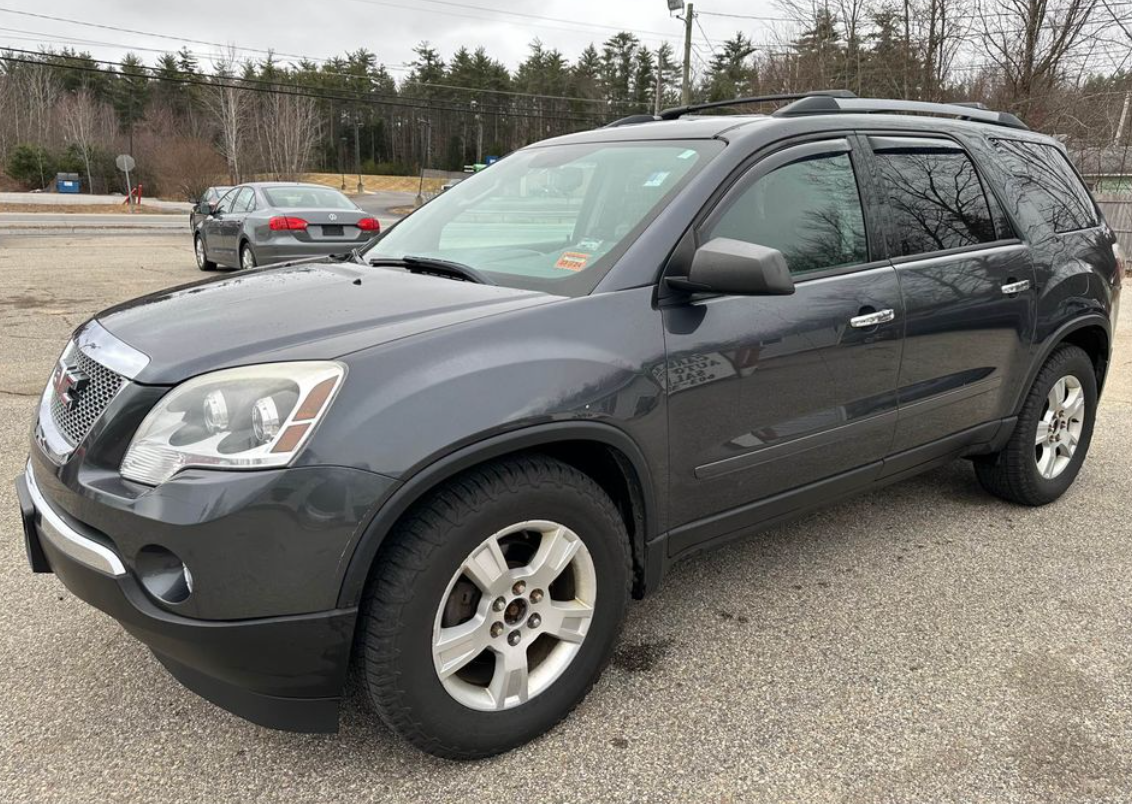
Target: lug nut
[
  {"x": 519, "y": 587},
  {"x": 496, "y": 629},
  {"x": 536, "y": 595},
  {"x": 513, "y": 638},
  {"x": 534, "y": 621},
  {"x": 500, "y": 604}
]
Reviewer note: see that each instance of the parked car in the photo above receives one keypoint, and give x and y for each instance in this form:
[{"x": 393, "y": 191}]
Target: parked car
[
  {"x": 270, "y": 222},
  {"x": 456, "y": 455},
  {"x": 205, "y": 204}
]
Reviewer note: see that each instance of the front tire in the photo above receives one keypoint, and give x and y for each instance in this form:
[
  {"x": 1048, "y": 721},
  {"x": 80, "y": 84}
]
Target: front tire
[
  {"x": 1051, "y": 439},
  {"x": 203, "y": 262},
  {"x": 494, "y": 606}
]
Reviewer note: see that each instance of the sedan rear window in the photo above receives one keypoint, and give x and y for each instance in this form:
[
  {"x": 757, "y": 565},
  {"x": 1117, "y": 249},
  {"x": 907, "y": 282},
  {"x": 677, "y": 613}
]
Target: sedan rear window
[{"x": 301, "y": 197}]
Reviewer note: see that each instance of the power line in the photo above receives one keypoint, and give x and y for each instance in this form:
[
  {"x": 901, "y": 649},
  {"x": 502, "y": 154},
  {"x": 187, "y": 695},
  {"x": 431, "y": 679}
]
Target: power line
[{"x": 270, "y": 87}]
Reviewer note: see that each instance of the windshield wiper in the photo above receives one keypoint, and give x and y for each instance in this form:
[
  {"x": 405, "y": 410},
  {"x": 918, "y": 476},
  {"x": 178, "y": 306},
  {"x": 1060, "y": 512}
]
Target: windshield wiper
[{"x": 436, "y": 267}]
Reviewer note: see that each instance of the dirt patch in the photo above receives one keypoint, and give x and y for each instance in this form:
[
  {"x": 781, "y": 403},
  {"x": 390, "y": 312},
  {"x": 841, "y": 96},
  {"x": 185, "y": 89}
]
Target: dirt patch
[
  {"x": 641, "y": 658},
  {"x": 391, "y": 184}
]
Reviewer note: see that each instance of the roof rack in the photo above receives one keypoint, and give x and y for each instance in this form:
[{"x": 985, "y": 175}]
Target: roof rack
[
  {"x": 680, "y": 111},
  {"x": 830, "y": 104}
]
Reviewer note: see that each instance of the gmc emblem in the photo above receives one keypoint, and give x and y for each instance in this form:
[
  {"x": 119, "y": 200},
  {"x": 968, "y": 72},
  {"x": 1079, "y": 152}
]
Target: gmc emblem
[{"x": 70, "y": 384}]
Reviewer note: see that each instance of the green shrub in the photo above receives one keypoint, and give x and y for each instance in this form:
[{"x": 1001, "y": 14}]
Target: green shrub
[{"x": 32, "y": 166}]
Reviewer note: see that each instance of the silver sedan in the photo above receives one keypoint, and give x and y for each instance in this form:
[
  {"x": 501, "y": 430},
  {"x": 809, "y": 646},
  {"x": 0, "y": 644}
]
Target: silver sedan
[{"x": 261, "y": 223}]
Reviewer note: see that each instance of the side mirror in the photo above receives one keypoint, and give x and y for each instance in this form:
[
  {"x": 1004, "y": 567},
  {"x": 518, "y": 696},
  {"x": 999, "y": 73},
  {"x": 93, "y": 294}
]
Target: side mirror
[
  {"x": 737, "y": 268},
  {"x": 205, "y": 208}
]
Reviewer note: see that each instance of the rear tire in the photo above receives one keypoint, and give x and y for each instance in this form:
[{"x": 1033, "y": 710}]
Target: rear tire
[
  {"x": 247, "y": 257},
  {"x": 203, "y": 262},
  {"x": 1052, "y": 436},
  {"x": 438, "y": 572}
]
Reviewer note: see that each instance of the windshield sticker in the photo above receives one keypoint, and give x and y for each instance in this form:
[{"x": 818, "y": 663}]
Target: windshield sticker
[
  {"x": 572, "y": 261},
  {"x": 589, "y": 244},
  {"x": 688, "y": 154},
  {"x": 656, "y": 179}
]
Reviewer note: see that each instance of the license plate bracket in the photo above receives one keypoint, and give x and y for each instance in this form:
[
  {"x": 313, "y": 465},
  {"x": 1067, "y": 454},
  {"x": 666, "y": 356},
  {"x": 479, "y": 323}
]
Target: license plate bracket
[{"x": 329, "y": 230}]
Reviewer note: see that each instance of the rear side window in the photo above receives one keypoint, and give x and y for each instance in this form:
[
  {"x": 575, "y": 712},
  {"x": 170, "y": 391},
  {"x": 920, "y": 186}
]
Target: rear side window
[
  {"x": 809, "y": 210},
  {"x": 935, "y": 199},
  {"x": 1048, "y": 180}
]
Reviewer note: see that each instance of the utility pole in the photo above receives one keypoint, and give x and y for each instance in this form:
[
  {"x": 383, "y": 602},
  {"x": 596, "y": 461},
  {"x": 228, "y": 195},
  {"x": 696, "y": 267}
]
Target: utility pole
[
  {"x": 686, "y": 90},
  {"x": 358, "y": 155}
]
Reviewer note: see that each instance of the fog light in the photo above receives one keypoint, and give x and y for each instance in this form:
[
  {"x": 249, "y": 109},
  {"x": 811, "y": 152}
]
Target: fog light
[{"x": 163, "y": 574}]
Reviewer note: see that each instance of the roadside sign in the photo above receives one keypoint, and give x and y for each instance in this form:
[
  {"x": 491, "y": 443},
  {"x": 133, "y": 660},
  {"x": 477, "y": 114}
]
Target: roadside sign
[
  {"x": 126, "y": 163},
  {"x": 490, "y": 160}
]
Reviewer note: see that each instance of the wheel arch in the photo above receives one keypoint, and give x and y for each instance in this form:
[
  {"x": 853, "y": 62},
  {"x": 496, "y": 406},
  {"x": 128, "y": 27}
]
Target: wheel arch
[
  {"x": 605, "y": 453},
  {"x": 1092, "y": 333}
]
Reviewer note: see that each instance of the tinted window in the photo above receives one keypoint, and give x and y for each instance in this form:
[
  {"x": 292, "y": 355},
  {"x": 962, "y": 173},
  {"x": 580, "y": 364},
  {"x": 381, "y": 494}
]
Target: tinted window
[
  {"x": 301, "y": 195},
  {"x": 935, "y": 199},
  {"x": 1047, "y": 179},
  {"x": 246, "y": 201},
  {"x": 809, "y": 210},
  {"x": 225, "y": 203}
]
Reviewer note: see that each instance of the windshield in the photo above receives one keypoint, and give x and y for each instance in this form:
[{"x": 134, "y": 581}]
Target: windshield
[
  {"x": 554, "y": 218},
  {"x": 301, "y": 196}
]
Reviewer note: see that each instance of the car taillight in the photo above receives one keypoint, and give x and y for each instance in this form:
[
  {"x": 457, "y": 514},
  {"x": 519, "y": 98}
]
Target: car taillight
[
  {"x": 283, "y": 223},
  {"x": 369, "y": 225}
]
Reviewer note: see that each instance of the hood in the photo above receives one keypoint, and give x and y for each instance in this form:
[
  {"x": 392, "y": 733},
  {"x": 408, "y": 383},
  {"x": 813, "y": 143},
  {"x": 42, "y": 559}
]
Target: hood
[{"x": 305, "y": 311}]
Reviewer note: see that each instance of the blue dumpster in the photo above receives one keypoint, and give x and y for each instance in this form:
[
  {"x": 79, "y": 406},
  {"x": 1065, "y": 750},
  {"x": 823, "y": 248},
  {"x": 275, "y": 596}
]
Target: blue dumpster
[{"x": 67, "y": 183}]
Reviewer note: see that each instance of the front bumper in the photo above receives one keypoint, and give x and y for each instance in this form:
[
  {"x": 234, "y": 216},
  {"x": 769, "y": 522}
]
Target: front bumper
[{"x": 284, "y": 672}]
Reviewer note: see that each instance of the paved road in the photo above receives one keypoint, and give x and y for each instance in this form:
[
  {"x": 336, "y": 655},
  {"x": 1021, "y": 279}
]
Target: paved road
[
  {"x": 379, "y": 204},
  {"x": 925, "y": 643}
]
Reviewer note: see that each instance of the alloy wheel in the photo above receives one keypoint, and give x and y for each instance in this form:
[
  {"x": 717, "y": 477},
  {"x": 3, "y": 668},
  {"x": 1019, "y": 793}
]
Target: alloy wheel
[
  {"x": 514, "y": 615},
  {"x": 247, "y": 258},
  {"x": 1059, "y": 429},
  {"x": 198, "y": 247}
]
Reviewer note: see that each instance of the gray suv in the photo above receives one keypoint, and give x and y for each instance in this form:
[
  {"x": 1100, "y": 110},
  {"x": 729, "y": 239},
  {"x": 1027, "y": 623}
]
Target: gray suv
[{"x": 448, "y": 460}]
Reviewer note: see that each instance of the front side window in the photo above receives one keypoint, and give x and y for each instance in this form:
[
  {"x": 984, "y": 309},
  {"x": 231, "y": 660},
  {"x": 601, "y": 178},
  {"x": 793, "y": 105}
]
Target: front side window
[
  {"x": 935, "y": 199},
  {"x": 1047, "y": 179},
  {"x": 553, "y": 218},
  {"x": 227, "y": 200},
  {"x": 810, "y": 210}
]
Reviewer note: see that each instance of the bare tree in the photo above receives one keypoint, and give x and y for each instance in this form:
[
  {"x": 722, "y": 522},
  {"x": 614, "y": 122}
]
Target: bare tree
[
  {"x": 228, "y": 105},
  {"x": 1031, "y": 43},
  {"x": 287, "y": 129},
  {"x": 87, "y": 125}
]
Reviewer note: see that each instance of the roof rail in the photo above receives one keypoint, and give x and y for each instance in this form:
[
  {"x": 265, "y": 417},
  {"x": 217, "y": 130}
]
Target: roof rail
[
  {"x": 632, "y": 120},
  {"x": 829, "y": 104},
  {"x": 679, "y": 111}
]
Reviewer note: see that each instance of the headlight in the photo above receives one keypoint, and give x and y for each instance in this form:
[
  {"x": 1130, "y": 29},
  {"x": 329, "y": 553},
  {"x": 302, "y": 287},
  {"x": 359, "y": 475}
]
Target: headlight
[{"x": 252, "y": 417}]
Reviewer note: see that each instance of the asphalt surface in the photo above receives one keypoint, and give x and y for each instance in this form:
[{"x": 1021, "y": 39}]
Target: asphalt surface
[{"x": 924, "y": 643}]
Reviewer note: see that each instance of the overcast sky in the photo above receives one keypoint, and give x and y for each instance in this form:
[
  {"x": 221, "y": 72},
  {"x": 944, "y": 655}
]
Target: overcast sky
[{"x": 390, "y": 28}]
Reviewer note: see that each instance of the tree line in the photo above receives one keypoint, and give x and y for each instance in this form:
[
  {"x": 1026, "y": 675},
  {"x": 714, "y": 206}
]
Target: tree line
[{"x": 1061, "y": 65}]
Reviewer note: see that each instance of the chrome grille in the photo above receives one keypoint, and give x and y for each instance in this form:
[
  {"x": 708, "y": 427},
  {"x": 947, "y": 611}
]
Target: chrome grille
[{"x": 75, "y": 421}]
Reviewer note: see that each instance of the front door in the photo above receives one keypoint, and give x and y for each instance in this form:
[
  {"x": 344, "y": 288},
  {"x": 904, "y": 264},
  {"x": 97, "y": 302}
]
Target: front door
[
  {"x": 217, "y": 229},
  {"x": 968, "y": 288},
  {"x": 769, "y": 394}
]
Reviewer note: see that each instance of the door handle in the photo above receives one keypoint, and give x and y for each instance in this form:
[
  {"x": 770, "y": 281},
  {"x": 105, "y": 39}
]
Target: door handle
[
  {"x": 1011, "y": 288},
  {"x": 872, "y": 319}
]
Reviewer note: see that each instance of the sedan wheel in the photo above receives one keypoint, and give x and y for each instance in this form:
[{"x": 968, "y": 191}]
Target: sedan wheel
[
  {"x": 203, "y": 262},
  {"x": 247, "y": 257}
]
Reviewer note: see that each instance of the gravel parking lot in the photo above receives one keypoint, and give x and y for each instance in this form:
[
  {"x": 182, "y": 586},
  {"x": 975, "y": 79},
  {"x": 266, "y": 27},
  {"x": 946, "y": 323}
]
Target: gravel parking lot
[{"x": 924, "y": 643}]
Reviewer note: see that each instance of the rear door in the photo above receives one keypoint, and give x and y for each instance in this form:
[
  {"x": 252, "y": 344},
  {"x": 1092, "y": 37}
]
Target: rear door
[
  {"x": 768, "y": 394},
  {"x": 968, "y": 287}
]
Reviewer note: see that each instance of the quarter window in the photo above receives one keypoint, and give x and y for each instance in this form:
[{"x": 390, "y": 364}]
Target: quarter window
[
  {"x": 935, "y": 200},
  {"x": 1048, "y": 180},
  {"x": 810, "y": 210}
]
